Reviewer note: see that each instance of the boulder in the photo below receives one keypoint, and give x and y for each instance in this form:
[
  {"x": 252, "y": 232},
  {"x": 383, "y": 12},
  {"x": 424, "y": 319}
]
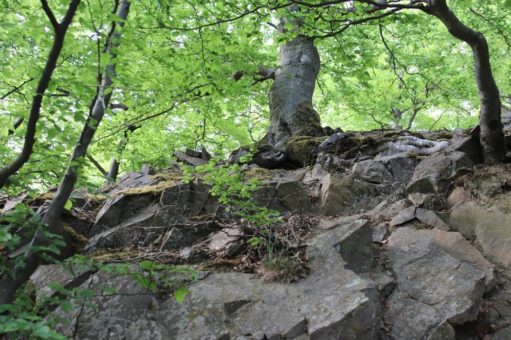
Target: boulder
[
  {"x": 372, "y": 171},
  {"x": 432, "y": 175},
  {"x": 389, "y": 208},
  {"x": 347, "y": 195},
  {"x": 456, "y": 245},
  {"x": 434, "y": 287},
  {"x": 189, "y": 200},
  {"x": 427, "y": 217},
  {"x": 400, "y": 166},
  {"x": 489, "y": 226},
  {"x": 120, "y": 208},
  {"x": 293, "y": 196}
]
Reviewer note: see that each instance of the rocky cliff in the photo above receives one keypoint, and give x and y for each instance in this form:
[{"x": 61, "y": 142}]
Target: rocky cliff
[{"x": 381, "y": 236}]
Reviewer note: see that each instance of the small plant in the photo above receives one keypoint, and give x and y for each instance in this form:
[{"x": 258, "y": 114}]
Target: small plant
[{"x": 281, "y": 269}]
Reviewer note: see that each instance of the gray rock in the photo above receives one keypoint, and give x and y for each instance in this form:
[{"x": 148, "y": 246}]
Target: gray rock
[
  {"x": 389, "y": 208},
  {"x": 329, "y": 223},
  {"x": 333, "y": 302},
  {"x": 433, "y": 286},
  {"x": 226, "y": 241},
  {"x": 372, "y": 171},
  {"x": 433, "y": 173},
  {"x": 189, "y": 199},
  {"x": 470, "y": 145},
  {"x": 292, "y": 195},
  {"x": 400, "y": 166},
  {"x": 379, "y": 233},
  {"x": 126, "y": 233},
  {"x": 503, "y": 334},
  {"x": 456, "y": 245},
  {"x": 404, "y": 216},
  {"x": 180, "y": 236},
  {"x": 346, "y": 195},
  {"x": 120, "y": 208},
  {"x": 429, "y": 217},
  {"x": 490, "y": 227}
]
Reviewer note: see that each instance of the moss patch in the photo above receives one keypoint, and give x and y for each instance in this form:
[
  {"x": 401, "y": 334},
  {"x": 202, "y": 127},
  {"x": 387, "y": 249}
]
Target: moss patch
[
  {"x": 149, "y": 189},
  {"x": 125, "y": 254},
  {"x": 77, "y": 239},
  {"x": 259, "y": 173},
  {"x": 303, "y": 149}
]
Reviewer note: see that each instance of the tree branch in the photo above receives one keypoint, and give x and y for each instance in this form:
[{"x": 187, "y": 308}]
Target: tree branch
[
  {"x": 50, "y": 15},
  {"x": 37, "y": 100}
]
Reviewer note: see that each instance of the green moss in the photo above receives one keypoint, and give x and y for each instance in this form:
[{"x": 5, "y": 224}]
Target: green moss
[
  {"x": 77, "y": 239},
  {"x": 125, "y": 254},
  {"x": 302, "y": 149},
  {"x": 259, "y": 173},
  {"x": 149, "y": 189},
  {"x": 170, "y": 175}
]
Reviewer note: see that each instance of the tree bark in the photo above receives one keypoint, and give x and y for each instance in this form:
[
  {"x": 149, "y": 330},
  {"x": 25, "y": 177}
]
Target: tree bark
[
  {"x": 8, "y": 284},
  {"x": 492, "y": 134},
  {"x": 60, "y": 30},
  {"x": 290, "y": 97}
]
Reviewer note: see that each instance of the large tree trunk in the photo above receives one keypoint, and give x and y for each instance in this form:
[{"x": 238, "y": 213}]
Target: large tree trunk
[
  {"x": 492, "y": 134},
  {"x": 10, "y": 284},
  {"x": 290, "y": 96}
]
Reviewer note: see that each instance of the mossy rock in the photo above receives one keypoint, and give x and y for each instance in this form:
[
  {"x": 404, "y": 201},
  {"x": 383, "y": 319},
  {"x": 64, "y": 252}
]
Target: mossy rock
[
  {"x": 259, "y": 174},
  {"x": 303, "y": 149}
]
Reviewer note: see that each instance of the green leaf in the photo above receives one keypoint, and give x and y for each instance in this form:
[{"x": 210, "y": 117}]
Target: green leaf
[
  {"x": 69, "y": 205},
  {"x": 180, "y": 294}
]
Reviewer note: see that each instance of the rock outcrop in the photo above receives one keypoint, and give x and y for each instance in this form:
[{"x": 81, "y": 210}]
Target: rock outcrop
[{"x": 406, "y": 240}]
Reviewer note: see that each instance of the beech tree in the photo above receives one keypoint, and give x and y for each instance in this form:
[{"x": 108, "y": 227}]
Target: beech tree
[
  {"x": 491, "y": 129},
  {"x": 492, "y": 135},
  {"x": 290, "y": 97}
]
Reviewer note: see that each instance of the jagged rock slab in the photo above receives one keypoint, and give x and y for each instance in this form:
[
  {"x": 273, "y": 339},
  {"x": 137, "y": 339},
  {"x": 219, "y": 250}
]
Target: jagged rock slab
[
  {"x": 427, "y": 217},
  {"x": 120, "y": 208},
  {"x": 433, "y": 174},
  {"x": 333, "y": 302},
  {"x": 456, "y": 245},
  {"x": 489, "y": 226},
  {"x": 284, "y": 191},
  {"x": 434, "y": 287},
  {"x": 389, "y": 208},
  {"x": 347, "y": 195},
  {"x": 372, "y": 171}
]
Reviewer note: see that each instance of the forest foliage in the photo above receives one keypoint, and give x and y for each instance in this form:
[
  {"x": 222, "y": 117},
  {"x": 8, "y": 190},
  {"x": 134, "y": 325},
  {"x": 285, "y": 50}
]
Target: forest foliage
[
  {"x": 186, "y": 74},
  {"x": 174, "y": 88}
]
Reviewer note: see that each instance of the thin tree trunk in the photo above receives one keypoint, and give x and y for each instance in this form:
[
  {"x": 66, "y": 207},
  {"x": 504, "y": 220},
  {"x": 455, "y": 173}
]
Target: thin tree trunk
[
  {"x": 115, "y": 163},
  {"x": 60, "y": 30},
  {"x": 492, "y": 134},
  {"x": 113, "y": 172},
  {"x": 9, "y": 285},
  {"x": 290, "y": 96}
]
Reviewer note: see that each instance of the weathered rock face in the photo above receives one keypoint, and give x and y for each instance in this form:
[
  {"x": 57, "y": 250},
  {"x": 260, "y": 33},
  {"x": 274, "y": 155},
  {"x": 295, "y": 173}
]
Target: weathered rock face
[
  {"x": 165, "y": 213},
  {"x": 396, "y": 262},
  {"x": 346, "y": 195},
  {"x": 434, "y": 288},
  {"x": 486, "y": 216},
  {"x": 434, "y": 173},
  {"x": 490, "y": 227},
  {"x": 333, "y": 302}
]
